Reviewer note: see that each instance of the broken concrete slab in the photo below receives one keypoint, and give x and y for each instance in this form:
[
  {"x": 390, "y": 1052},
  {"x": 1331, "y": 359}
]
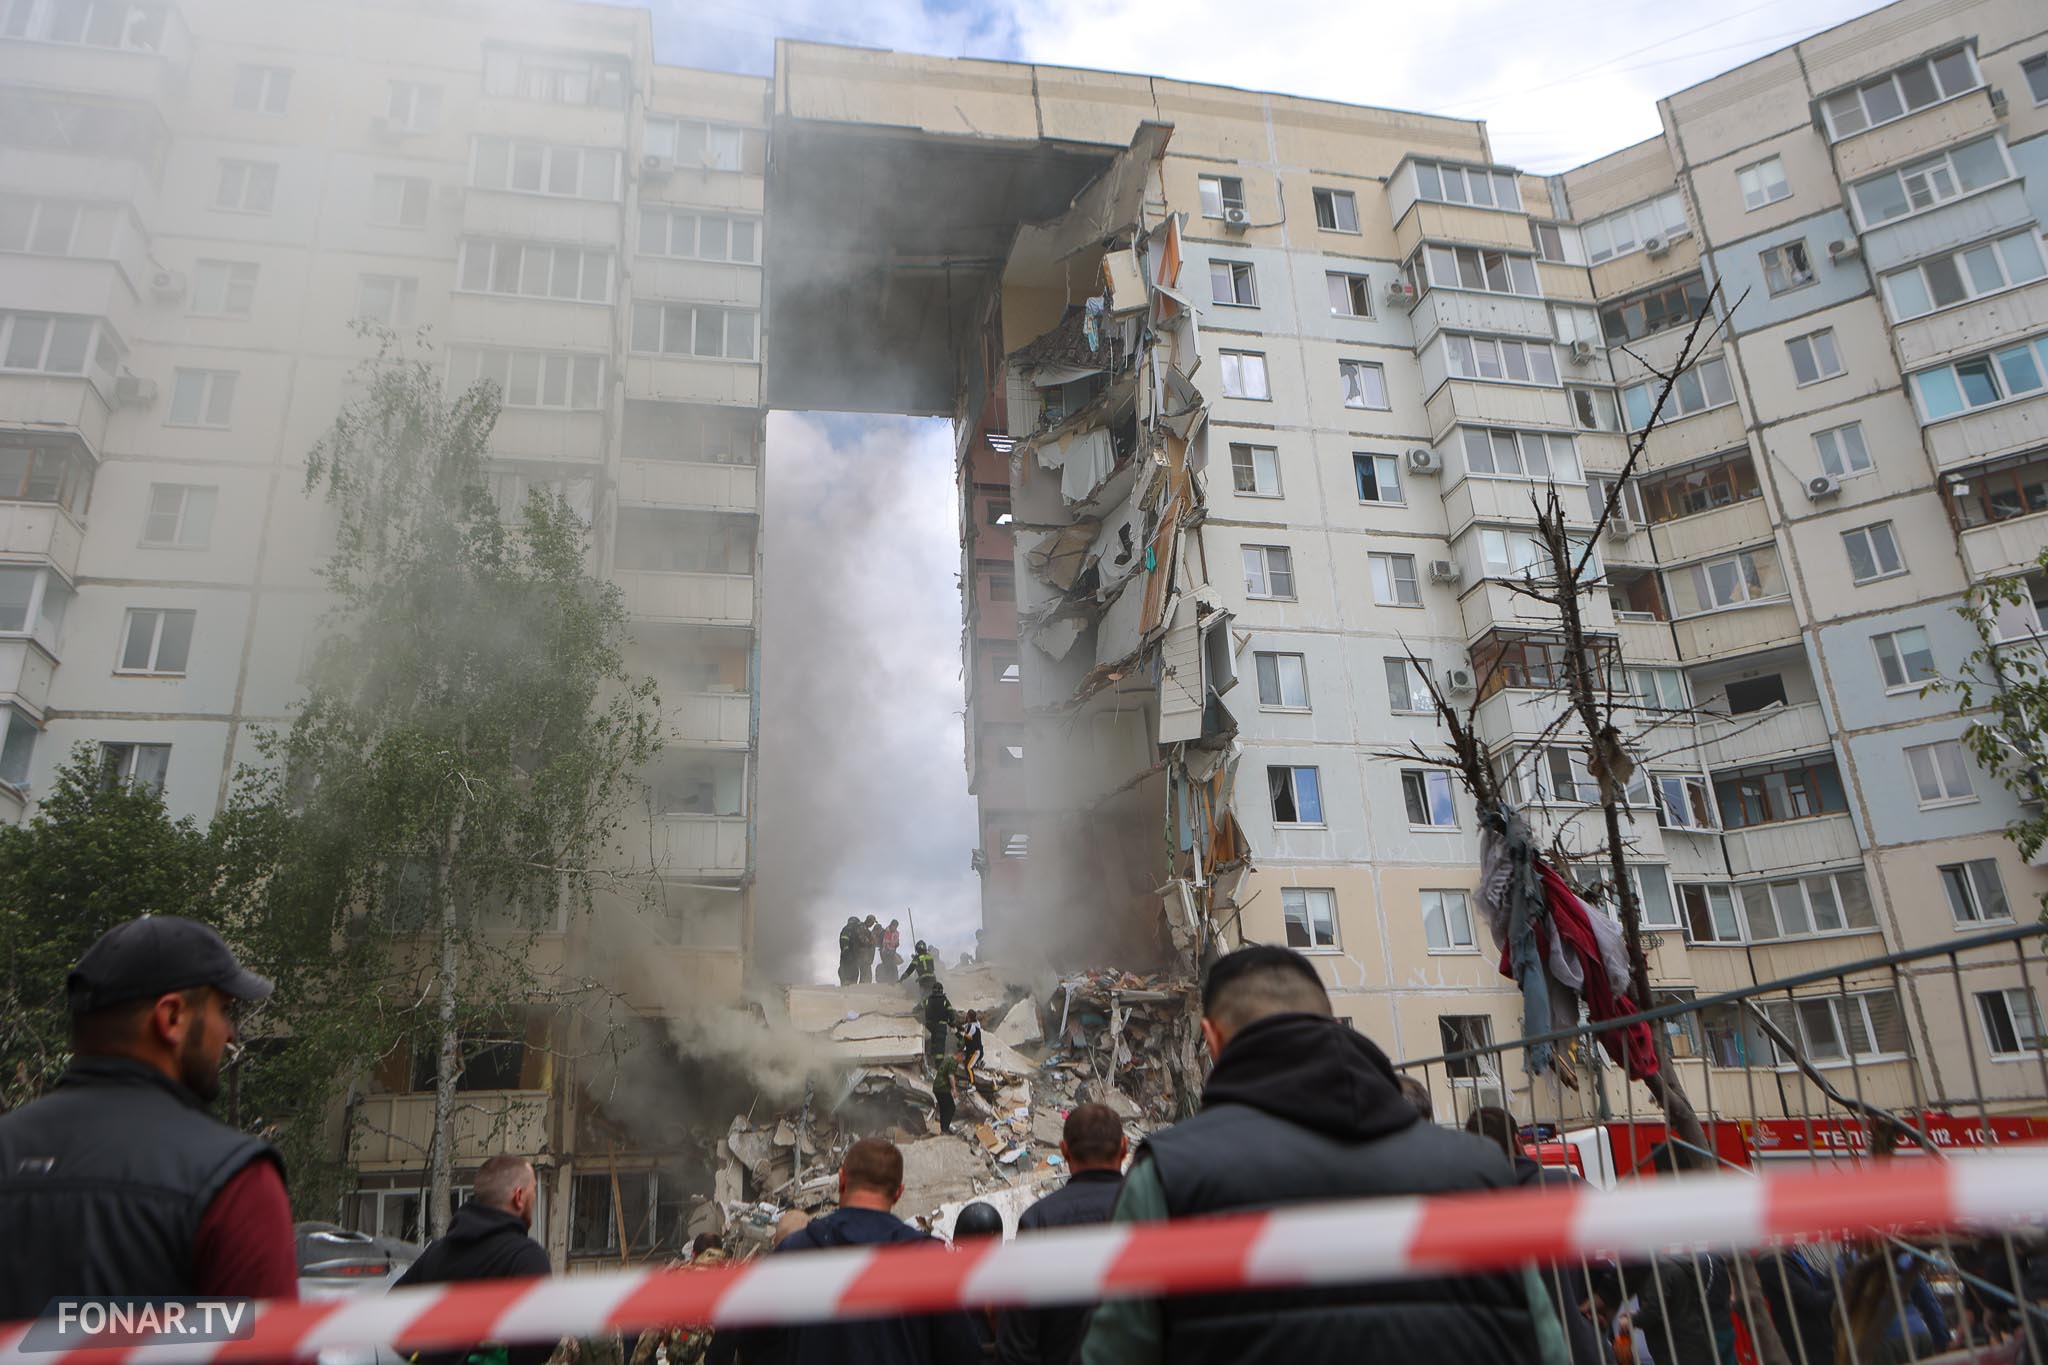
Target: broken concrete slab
[
  {"x": 1018, "y": 1026},
  {"x": 938, "y": 1170}
]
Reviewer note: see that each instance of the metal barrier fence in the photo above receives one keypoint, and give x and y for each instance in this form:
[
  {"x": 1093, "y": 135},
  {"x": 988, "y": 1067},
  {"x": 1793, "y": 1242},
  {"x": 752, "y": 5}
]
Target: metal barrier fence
[{"x": 1902, "y": 1056}]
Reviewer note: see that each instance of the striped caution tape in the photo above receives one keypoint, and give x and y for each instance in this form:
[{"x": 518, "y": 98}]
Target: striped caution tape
[{"x": 1383, "y": 1239}]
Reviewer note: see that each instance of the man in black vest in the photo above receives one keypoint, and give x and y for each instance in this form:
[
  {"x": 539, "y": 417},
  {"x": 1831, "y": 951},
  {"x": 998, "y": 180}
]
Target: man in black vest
[
  {"x": 117, "y": 1182},
  {"x": 1299, "y": 1109},
  {"x": 487, "y": 1240},
  {"x": 1094, "y": 1147}
]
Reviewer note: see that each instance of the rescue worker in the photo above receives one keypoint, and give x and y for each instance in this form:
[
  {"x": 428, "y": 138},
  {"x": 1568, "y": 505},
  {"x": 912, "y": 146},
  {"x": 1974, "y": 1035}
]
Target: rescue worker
[
  {"x": 892, "y": 953},
  {"x": 117, "y": 1182},
  {"x": 489, "y": 1238},
  {"x": 870, "y": 941},
  {"x": 938, "y": 1018},
  {"x": 923, "y": 965},
  {"x": 945, "y": 1088},
  {"x": 849, "y": 940}
]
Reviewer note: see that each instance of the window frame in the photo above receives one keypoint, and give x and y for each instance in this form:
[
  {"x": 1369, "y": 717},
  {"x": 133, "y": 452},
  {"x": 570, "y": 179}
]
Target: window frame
[
  {"x": 1259, "y": 671},
  {"x": 1688, "y": 399},
  {"x": 1769, "y": 888},
  {"x": 413, "y": 192},
  {"x": 405, "y": 295},
  {"x": 1474, "y": 438},
  {"x": 1934, "y": 752},
  {"x": 710, "y": 152},
  {"x": 1243, "y": 280},
  {"x": 1252, "y": 452},
  {"x": 493, "y": 251},
  {"x": 413, "y": 107},
  {"x": 235, "y": 279},
  {"x": 665, "y": 313},
  {"x": 1688, "y": 924},
  {"x": 120, "y": 759},
  {"x": 1784, "y": 183},
  {"x": 1433, "y": 178},
  {"x": 1357, "y": 293},
  {"x": 1856, "y": 90},
  {"x": 2004, "y": 994},
  {"x": 1967, "y": 909},
  {"x": 211, "y": 385},
  {"x": 1294, "y": 795},
  {"x": 1822, "y": 452},
  {"x": 1666, "y": 211},
  {"x": 1776, "y": 792},
  {"x": 1452, "y": 945},
  {"x": 1306, "y": 896},
  {"x": 670, "y": 214},
  {"x": 1780, "y": 275},
  {"x": 1466, "y": 354},
  {"x": 181, "y": 517},
  {"x": 1229, "y": 362},
  {"x": 548, "y": 154},
  {"x": 1927, "y": 166},
  {"x": 1224, "y": 201},
  {"x": 1870, "y": 539},
  {"x": 1372, "y": 375},
  {"x": 1267, "y": 577},
  {"x": 273, "y": 96},
  {"x": 1994, "y": 369},
  {"x": 1958, "y": 261},
  {"x": 1362, "y": 460},
  {"x": 1897, "y": 660},
  {"x": 152, "y": 667},
  {"x": 1695, "y": 800},
  {"x": 1394, "y": 580},
  {"x": 1471, "y": 269},
  {"x": 1414, "y": 684},
  {"x": 246, "y": 175},
  {"x": 2034, "y": 70},
  {"x": 1323, "y": 193},
  {"x": 1420, "y": 793},
  {"x": 572, "y": 361},
  {"x": 1813, "y": 341}
]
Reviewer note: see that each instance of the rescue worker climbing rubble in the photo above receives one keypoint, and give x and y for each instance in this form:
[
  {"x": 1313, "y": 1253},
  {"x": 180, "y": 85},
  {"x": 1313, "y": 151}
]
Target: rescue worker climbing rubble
[
  {"x": 923, "y": 966},
  {"x": 938, "y": 1018}
]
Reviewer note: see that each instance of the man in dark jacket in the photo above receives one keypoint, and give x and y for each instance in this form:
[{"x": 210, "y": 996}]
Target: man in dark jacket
[
  {"x": 117, "y": 1182},
  {"x": 870, "y": 1183},
  {"x": 1566, "y": 1283},
  {"x": 1800, "y": 1294},
  {"x": 487, "y": 1239},
  {"x": 1300, "y": 1108},
  {"x": 1093, "y": 1144}
]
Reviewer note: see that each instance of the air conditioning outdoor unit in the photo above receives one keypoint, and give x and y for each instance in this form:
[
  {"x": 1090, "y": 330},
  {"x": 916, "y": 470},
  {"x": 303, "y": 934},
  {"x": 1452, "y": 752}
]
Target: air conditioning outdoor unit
[
  {"x": 1620, "y": 528},
  {"x": 1458, "y": 680},
  {"x": 1445, "y": 571},
  {"x": 1400, "y": 291},
  {"x": 1582, "y": 353},
  {"x": 167, "y": 284},
  {"x": 133, "y": 391},
  {"x": 1823, "y": 486},
  {"x": 1236, "y": 216},
  {"x": 1998, "y": 103},
  {"x": 1844, "y": 249},
  {"x": 1423, "y": 460},
  {"x": 1656, "y": 246},
  {"x": 654, "y": 167}
]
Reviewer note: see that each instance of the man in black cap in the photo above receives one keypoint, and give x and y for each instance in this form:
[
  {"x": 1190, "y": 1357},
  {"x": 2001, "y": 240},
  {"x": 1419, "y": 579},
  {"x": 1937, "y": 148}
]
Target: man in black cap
[{"x": 117, "y": 1181}]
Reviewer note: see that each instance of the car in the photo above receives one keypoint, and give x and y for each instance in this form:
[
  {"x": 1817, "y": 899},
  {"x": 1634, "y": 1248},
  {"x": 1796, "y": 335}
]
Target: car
[{"x": 337, "y": 1263}]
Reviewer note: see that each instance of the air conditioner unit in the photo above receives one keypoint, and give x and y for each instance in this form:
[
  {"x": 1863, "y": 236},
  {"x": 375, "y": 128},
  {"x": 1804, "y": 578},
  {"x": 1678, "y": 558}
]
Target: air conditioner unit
[
  {"x": 1823, "y": 486},
  {"x": 1620, "y": 528},
  {"x": 1582, "y": 353},
  {"x": 1997, "y": 103},
  {"x": 1445, "y": 571},
  {"x": 1400, "y": 291},
  {"x": 1656, "y": 246},
  {"x": 654, "y": 167},
  {"x": 167, "y": 284},
  {"x": 1423, "y": 460},
  {"x": 1844, "y": 249},
  {"x": 1459, "y": 680},
  {"x": 133, "y": 391},
  {"x": 1235, "y": 216}
]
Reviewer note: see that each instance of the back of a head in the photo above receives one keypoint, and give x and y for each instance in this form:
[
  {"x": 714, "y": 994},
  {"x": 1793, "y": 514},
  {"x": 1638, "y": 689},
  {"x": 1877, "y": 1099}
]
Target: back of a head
[
  {"x": 1418, "y": 1095},
  {"x": 979, "y": 1219},
  {"x": 1093, "y": 1135},
  {"x": 1260, "y": 981},
  {"x": 1497, "y": 1126},
  {"x": 498, "y": 1179},
  {"x": 874, "y": 1164}
]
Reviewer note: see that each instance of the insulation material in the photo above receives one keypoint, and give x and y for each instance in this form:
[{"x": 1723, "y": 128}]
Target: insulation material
[
  {"x": 1049, "y": 375},
  {"x": 1121, "y": 631},
  {"x": 1124, "y": 281},
  {"x": 1163, "y": 253},
  {"x": 1058, "y": 556},
  {"x": 1056, "y": 637},
  {"x": 1180, "y": 683}
]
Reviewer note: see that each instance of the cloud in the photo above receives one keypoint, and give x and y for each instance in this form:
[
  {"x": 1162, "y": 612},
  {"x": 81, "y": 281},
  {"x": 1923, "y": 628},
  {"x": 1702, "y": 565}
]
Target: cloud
[{"x": 863, "y": 793}]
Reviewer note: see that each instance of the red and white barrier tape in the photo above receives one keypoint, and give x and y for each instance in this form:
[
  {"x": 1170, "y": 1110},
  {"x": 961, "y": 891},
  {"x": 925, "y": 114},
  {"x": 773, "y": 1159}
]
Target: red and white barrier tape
[{"x": 1382, "y": 1239}]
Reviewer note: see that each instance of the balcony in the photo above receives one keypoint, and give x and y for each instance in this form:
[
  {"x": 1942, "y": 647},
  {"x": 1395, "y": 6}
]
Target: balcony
[
  {"x": 2003, "y": 430},
  {"x": 1493, "y": 605},
  {"x": 25, "y": 672},
  {"x": 1458, "y": 223},
  {"x": 700, "y": 845},
  {"x": 510, "y": 320},
  {"x": 1516, "y": 713},
  {"x": 49, "y": 402},
  {"x": 1975, "y": 326},
  {"x": 40, "y": 531},
  {"x": 1736, "y": 631},
  {"x": 1508, "y": 405},
  {"x": 1822, "y": 841},
  {"x": 1707, "y": 533},
  {"x": 104, "y": 69},
  {"x": 1495, "y": 500},
  {"x": 550, "y": 437},
  {"x": 714, "y": 599},
  {"x": 1645, "y": 641},
  {"x": 1639, "y": 269},
  {"x": 675, "y": 379},
  {"x": 674, "y": 483},
  {"x": 539, "y": 217},
  {"x": 487, "y": 1123},
  {"x": 2005, "y": 547},
  {"x": 100, "y": 288},
  {"x": 723, "y": 719},
  {"x": 1693, "y": 438},
  {"x": 1457, "y": 310},
  {"x": 697, "y": 281},
  {"x": 1967, "y": 116},
  {"x": 1760, "y": 736},
  {"x": 1631, "y": 551}
]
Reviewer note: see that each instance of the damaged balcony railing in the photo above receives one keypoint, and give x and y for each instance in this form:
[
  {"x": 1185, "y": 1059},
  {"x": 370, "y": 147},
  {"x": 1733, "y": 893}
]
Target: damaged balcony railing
[{"x": 1903, "y": 1056}]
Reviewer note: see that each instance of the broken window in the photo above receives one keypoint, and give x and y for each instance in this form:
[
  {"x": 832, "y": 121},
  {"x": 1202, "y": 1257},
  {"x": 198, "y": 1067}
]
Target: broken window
[
  {"x": 1793, "y": 790},
  {"x": 1465, "y": 1033},
  {"x": 1787, "y": 267},
  {"x": 1336, "y": 210},
  {"x": 1365, "y": 383},
  {"x": 1230, "y": 282},
  {"x": 1269, "y": 571},
  {"x": 699, "y": 784},
  {"x": 1310, "y": 914},
  {"x": 1427, "y": 794},
  {"x": 1255, "y": 470},
  {"x": 1221, "y": 193},
  {"x": 1408, "y": 685},
  {"x": 1002, "y": 659},
  {"x": 999, "y": 513},
  {"x": 1297, "y": 795},
  {"x": 1710, "y": 915},
  {"x": 1283, "y": 680}
]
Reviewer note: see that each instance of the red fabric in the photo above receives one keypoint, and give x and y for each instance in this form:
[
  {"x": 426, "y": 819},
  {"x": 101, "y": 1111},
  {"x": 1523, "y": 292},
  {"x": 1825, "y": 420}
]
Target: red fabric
[
  {"x": 245, "y": 1247},
  {"x": 1634, "y": 1046}
]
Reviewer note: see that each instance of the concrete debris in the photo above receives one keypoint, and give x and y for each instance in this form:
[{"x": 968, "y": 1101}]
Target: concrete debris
[{"x": 1018, "y": 1026}]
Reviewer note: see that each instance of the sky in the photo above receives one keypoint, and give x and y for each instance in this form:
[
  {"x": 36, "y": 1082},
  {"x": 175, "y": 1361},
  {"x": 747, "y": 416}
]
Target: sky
[{"x": 863, "y": 806}]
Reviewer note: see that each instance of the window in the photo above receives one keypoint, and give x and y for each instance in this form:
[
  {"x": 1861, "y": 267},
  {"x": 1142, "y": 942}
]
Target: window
[
  {"x": 121, "y": 24},
  {"x": 262, "y": 89},
  {"x": 156, "y": 641},
  {"x": 536, "y": 270},
  {"x": 500, "y": 163},
  {"x": 1657, "y": 689},
  {"x": 180, "y": 516},
  {"x": 202, "y": 398},
  {"x": 1981, "y": 380},
  {"x": 1000, "y": 513},
  {"x": 1255, "y": 470},
  {"x": 1834, "y": 1029},
  {"x": 1795, "y": 790},
  {"x": 1702, "y": 486},
  {"x": 136, "y": 765},
  {"x": 1336, "y": 210},
  {"x": 1365, "y": 384},
  {"x": 1378, "y": 477},
  {"x": 1447, "y": 921},
  {"x": 1570, "y": 322},
  {"x": 1904, "y": 657},
  {"x": 1221, "y": 193},
  {"x": 1787, "y": 267},
  {"x": 1467, "y": 185},
  {"x": 1244, "y": 375},
  {"x": 1350, "y": 295},
  {"x": 1632, "y": 229},
  {"x": 19, "y": 749},
  {"x": 2000, "y": 494},
  {"x": 412, "y": 107},
  {"x": 1519, "y": 362},
  {"x": 1283, "y": 680},
  {"x": 1467, "y": 267},
  {"x": 1297, "y": 795},
  {"x": 1748, "y": 695},
  {"x": 1427, "y": 794},
  {"x": 59, "y": 227},
  {"x": 1522, "y": 554},
  {"x": 1957, "y": 277},
  {"x": 554, "y": 77},
  {"x": 398, "y": 201},
  {"x": 246, "y": 186},
  {"x": 1710, "y": 915},
  {"x": 1873, "y": 552},
  {"x": 134, "y": 132},
  {"x": 224, "y": 288},
  {"x": 31, "y": 471},
  {"x": 1408, "y": 686},
  {"x": 1814, "y": 357},
  {"x": 1002, "y": 660},
  {"x": 1548, "y": 239},
  {"x": 1230, "y": 282},
  {"x": 1762, "y": 183},
  {"x": 530, "y": 379},
  {"x": 1900, "y": 92},
  {"x": 1594, "y": 409},
  {"x": 697, "y": 236},
  {"x": 1800, "y": 907},
  {"x": 2036, "y": 71},
  {"x": 1468, "y": 1033},
  {"x": 1653, "y": 893},
  {"x": 1520, "y": 661},
  {"x": 1393, "y": 580},
  {"x": 690, "y": 142},
  {"x": 1539, "y": 456},
  {"x": 1975, "y": 893},
  {"x": 1702, "y": 387},
  {"x": 1683, "y": 801},
  {"x": 1269, "y": 571},
  {"x": 511, "y": 489},
  {"x": 387, "y": 299},
  {"x": 32, "y": 602},
  {"x": 2012, "y": 1021},
  {"x": 1563, "y": 776},
  {"x": 1929, "y": 181},
  {"x": 1842, "y": 451},
  {"x": 1601, "y": 490},
  {"x": 1941, "y": 775},
  {"x": 55, "y": 344},
  {"x": 699, "y": 329},
  {"x": 1311, "y": 916},
  {"x": 1670, "y": 305}
]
